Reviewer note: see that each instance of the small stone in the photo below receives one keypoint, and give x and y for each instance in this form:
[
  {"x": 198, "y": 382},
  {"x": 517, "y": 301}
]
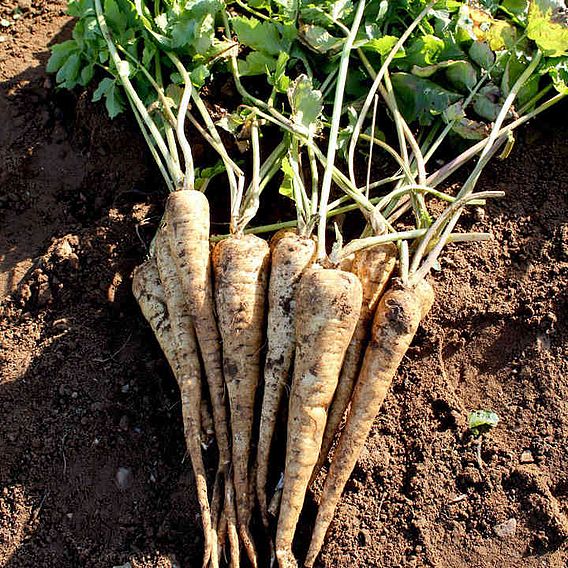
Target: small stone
[
  {"x": 420, "y": 523},
  {"x": 124, "y": 423},
  {"x": 506, "y": 529},
  {"x": 364, "y": 537},
  {"x": 60, "y": 325},
  {"x": 527, "y": 457},
  {"x": 479, "y": 214},
  {"x": 44, "y": 295},
  {"x": 123, "y": 478},
  {"x": 69, "y": 516}
]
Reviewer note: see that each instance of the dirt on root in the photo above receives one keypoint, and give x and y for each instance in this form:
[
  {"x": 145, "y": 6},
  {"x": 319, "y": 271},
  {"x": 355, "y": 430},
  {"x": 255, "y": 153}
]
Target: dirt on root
[{"x": 93, "y": 470}]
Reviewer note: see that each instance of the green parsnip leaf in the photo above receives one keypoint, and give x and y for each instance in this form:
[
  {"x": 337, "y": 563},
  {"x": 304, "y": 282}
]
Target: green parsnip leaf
[
  {"x": 263, "y": 36},
  {"x": 114, "y": 17},
  {"x": 286, "y": 187},
  {"x": 114, "y": 100},
  {"x": 279, "y": 80},
  {"x": 481, "y": 421},
  {"x": 81, "y": 8},
  {"x": 517, "y": 9},
  {"x": 256, "y": 63},
  {"x": 306, "y": 103},
  {"x": 60, "y": 53},
  {"x": 384, "y": 45},
  {"x": 421, "y": 99},
  {"x": 481, "y": 54},
  {"x": 557, "y": 69},
  {"x": 424, "y": 51},
  {"x": 319, "y": 39},
  {"x": 68, "y": 74},
  {"x": 462, "y": 75}
]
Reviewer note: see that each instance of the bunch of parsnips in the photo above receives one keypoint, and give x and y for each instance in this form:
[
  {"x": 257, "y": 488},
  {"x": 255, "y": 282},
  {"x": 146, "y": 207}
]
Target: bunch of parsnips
[{"x": 293, "y": 327}]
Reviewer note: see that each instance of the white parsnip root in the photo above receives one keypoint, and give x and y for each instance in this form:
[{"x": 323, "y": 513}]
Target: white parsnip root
[
  {"x": 396, "y": 320},
  {"x": 158, "y": 295},
  {"x": 328, "y": 307},
  {"x": 187, "y": 229},
  {"x": 373, "y": 266},
  {"x": 291, "y": 255},
  {"x": 241, "y": 266}
]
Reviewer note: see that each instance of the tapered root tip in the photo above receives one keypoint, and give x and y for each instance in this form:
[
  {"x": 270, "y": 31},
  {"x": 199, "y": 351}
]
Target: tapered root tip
[
  {"x": 248, "y": 545},
  {"x": 310, "y": 559},
  {"x": 286, "y": 559}
]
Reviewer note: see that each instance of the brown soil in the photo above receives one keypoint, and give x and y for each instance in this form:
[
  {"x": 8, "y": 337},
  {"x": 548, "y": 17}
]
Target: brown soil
[{"x": 92, "y": 462}]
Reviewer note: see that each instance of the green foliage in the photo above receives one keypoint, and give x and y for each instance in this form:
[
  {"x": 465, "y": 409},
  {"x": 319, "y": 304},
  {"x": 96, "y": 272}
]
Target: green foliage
[
  {"x": 293, "y": 46},
  {"x": 557, "y": 69},
  {"x": 481, "y": 421},
  {"x": 113, "y": 98},
  {"x": 306, "y": 103},
  {"x": 266, "y": 37},
  {"x": 421, "y": 99}
]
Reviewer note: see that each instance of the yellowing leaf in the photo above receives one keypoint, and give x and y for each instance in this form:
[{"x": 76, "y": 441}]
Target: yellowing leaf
[
  {"x": 548, "y": 26},
  {"x": 497, "y": 33}
]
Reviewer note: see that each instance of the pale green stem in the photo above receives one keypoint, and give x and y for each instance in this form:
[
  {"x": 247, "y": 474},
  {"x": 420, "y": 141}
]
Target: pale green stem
[
  {"x": 371, "y": 146},
  {"x": 393, "y": 107},
  {"x": 360, "y": 244},
  {"x": 170, "y": 119},
  {"x": 398, "y": 125},
  {"x": 234, "y": 173},
  {"x": 300, "y": 196},
  {"x": 229, "y": 163},
  {"x": 255, "y": 13},
  {"x": 314, "y": 182},
  {"x": 421, "y": 189},
  {"x": 375, "y": 86},
  {"x": 418, "y": 202},
  {"x": 393, "y": 153},
  {"x": 436, "y": 227},
  {"x": 152, "y": 147},
  {"x": 252, "y": 201},
  {"x": 471, "y": 181},
  {"x": 450, "y": 125},
  {"x": 267, "y": 171},
  {"x": 122, "y": 70},
  {"x": 334, "y": 131},
  {"x": 189, "y": 181},
  {"x": 274, "y": 115},
  {"x": 469, "y": 184},
  {"x": 451, "y": 167}
]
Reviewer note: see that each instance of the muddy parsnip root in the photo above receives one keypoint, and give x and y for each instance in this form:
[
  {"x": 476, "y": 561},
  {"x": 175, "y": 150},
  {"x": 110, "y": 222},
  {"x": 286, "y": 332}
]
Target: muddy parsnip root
[
  {"x": 373, "y": 266},
  {"x": 395, "y": 323},
  {"x": 188, "y": 377},
  {"x": 241, "y": 267},
  {"x": 328, "y": 307},
  {"x": 291, "y": 255},
  {"x": 188, "y": 228}
]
